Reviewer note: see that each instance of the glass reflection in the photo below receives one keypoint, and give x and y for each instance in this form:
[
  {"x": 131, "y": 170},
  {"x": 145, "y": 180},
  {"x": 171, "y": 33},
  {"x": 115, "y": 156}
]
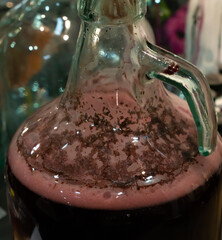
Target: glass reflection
[{"x": 36, "y": 46}]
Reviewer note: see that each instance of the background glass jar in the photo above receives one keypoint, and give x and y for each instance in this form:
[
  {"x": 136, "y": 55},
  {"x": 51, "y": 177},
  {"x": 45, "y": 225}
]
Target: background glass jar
[
  {"x": 37, "y": 41},
  {"x": 35, "y": 56}
]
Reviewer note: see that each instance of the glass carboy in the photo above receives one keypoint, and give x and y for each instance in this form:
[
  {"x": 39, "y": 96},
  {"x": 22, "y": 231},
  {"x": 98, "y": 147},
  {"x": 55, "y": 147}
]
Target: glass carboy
[{"x": 117, "y": 155}]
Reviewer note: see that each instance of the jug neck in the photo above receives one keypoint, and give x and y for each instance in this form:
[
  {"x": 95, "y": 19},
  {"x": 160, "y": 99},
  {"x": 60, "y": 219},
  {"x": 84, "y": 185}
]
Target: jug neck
[
  {"x": 109, "y": 47},
  {"x": 111, "y": 12},
  {"x": 108, "y": 57}
]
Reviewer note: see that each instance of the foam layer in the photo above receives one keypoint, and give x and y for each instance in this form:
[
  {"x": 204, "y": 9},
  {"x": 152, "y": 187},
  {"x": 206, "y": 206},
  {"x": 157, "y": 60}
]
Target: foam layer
[
  {"x": 55, "y": 173},
  {"x": 114, "y": 198}
]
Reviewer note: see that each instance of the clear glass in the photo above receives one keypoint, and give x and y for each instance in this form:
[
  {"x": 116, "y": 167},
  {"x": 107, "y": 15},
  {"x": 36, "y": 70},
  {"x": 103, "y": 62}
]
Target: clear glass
[
  {"x": 4, "y": 7},
  {"x": 32, "y": 61},
  {"x": 2, "y": 131},
  {"x": 37, "y": 41},
  {"x": 203, "y": 44},
  {"x": 43, "y": 34},
  {"x": 117, "y": 155}
]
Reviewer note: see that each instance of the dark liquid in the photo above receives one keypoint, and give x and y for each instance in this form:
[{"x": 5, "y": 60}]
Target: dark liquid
[{"x": 196, "y": 216}]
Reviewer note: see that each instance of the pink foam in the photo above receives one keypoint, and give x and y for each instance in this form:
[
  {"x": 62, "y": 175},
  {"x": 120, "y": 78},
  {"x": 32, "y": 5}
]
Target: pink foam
[{"x": 116, "y": 198}]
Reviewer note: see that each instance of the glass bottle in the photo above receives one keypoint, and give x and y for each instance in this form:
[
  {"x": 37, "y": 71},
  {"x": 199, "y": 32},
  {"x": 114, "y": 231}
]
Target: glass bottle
[
  {"x": 117, "y": 155},
  {"x": 43, "y": 34},
  {"x": 37, "y": 40},
  {"x": 4, "y": 7},
  {"x": 35, "y": 57}
]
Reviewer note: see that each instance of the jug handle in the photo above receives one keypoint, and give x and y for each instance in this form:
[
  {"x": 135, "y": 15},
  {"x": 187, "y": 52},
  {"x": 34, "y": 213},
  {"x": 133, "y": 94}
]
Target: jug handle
[{"x": 176, "y": 71}]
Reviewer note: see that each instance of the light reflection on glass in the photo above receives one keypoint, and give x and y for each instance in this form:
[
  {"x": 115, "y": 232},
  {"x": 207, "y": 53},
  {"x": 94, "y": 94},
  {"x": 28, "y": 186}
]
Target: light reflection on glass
[
  {"x": 35, "y": 86},
  {"x": 96, "y": 36},
  {"x": 117, "y": 97},
  {"x": 47, "y": 8},
  {"x": 157, "y": 1},
  {"x": 110, "y": 55},
  {"x": 35, "y": 105},
  {"x": 151, "y": 180},
  {"x": 56, "y": 176},
  {"x": 21, "y": 109},
  {"x": 13, "y": 44},
  {"x": 9, "y": 4},
  {"x": 61, "y": 90},
  {"x": 46, "y": 57},
  {"x": 77, "y": 194},
  {"x": 67, "y": 24},
  {"x": 25, "y": 130},
  {"x": 59, "y": 27},
  {"x": 35, "y": 148},
  {"x": 119, "y": 194},
  {"x": 65, "y": 146},
  {"x": 66, "y": 37},
  {"x": 135, "y": 139}
]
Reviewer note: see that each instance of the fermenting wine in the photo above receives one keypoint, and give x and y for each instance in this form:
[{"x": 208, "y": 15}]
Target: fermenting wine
[
  {"x": 172, "y": 194},
  {"x": 117, "y": 155},
  {"x": 183, "y": 218}
]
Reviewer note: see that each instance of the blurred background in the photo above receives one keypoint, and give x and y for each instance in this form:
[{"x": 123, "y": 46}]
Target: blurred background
[
  {"x": 37, "y": 41},
  {"x": 5, "y": 5},
  {"x": 5, "y": 227}
]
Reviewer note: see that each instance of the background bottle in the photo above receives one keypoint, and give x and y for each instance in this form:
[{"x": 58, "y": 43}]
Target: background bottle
[
  {"x": 204, "y": 45},
  {"x": 37, "y": 43},
  {"x": 35, "y": 56}
]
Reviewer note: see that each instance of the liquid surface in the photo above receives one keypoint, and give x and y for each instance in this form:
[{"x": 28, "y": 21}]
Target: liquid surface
[{"x": 194, "y": 216}]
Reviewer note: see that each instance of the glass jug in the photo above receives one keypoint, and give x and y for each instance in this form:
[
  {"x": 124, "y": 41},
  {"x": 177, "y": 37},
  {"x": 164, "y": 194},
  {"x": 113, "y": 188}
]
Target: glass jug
[
  {"x": 43, "y": 34},
  {"x": 37, "y": 39},
  {"x": 117, "y": 155},
  {"x": 35, "y": 54}
]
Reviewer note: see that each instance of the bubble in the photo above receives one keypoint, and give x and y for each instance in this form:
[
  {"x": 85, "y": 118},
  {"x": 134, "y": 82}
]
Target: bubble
[{"x": 107, "y": 195}]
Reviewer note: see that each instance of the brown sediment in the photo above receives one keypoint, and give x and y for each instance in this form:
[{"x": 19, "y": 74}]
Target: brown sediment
[{"x": 114, "y": 146}]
